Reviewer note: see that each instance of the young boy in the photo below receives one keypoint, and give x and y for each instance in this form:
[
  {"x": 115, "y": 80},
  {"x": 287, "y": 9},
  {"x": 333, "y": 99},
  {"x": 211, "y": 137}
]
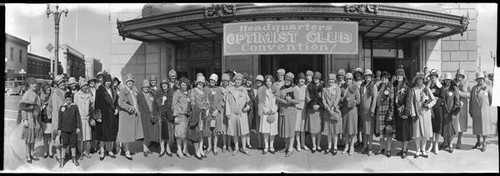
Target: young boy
[{"x": 68, "y": 128}]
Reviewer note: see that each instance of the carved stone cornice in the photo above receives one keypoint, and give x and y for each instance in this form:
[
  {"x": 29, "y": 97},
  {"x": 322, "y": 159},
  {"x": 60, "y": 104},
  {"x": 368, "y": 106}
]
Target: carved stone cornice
[
  {"x": 361, "y": 8},
  {"x": 219, "y": 10},
  {"x": 465, "y": 24}
]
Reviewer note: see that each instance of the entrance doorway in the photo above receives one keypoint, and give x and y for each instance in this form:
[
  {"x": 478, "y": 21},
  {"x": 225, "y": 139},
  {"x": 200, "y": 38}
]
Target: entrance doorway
[
  {"x": 384, "y": 64},
  {"x": 269, "y": 64}
]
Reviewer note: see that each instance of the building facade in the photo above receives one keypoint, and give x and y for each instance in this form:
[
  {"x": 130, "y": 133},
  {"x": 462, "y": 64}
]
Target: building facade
[
  {"x": 73, "y": 61},
  {"x": 39, "y": 67},
  {"x": 92, "y": 67},
  {"x": 191, "y": 38},
  {"x": 15, "y": 57}
]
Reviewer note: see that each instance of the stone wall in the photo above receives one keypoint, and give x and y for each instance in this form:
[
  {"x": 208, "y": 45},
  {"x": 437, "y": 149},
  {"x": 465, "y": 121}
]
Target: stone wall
[{"x": 459, "y": 51}]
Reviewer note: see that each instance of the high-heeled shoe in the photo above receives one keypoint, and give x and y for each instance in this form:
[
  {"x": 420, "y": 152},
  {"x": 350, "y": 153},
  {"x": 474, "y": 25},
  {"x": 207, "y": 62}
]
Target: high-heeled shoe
[
  {"x": 145, "y": 153},
  {"x": 181, "y": 156},
  {"x": 264, "y": 151},
  {"x": 75, "y": 161},
  {"x": 388, "y": 154},
  {"x": 34, "y": 158},
  {"x": 271, "y": 150},
  {"x": 289, "y": 153},
  {"x": 46, "y": 156},
  {"x": 334, "y": 152},
  {"x": 198, "y": 157},
  {"x": 29, "y": 160},
  {"x": 305, "y": 148},
  {"x": 459, "y": 145},
  {"x": 327, "y": 151},
  {"x": 478, "y": 144},
  {"x": 245, "y": 152},
  {"x": 313, "y": 150},
  {"x": 169, "y": 154},
  {"x": 161, "y": 154},
  {"x": 215, "y": 152},
  {"x": 112, "y": 155},
  {"x": 129, "y": 157},
  {"x": 483, "y": 149},
  {"x": 187, "y": 155}
]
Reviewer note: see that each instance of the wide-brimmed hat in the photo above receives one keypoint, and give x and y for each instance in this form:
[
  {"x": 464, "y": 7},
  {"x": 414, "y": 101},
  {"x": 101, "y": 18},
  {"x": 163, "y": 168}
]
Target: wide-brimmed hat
[
  {"x": 153, "y": 78},
  {"x": 200, "y": 79},
  {"x": 129, "y": 77},
  {"x": 214, "y": 77},
  {"x": 348, "y": 76},
  {"x": 341, "y": 72},
  {"x": 309, "y": 73},
  {"x": 480, "y": 75},
  {"x": 332, "y": 76},
  {"x": 289, "y": 76},
  {"x": 259, "y": 78},
  {"x": 172, "y": 73},
  {"x": 145, "y": 83},
  {"x": 225, "y": 77},
  {"x": 360, "y": 70},
  {"x": 280, "y": 72},
  {"x": 99, "y": 74},
  {"x": 31, "y": 80},
  {"x": 317, "y": 75},
  {"x": 72, "y": 80},
  {"x": 368, "y": 72},
  {"x": 460, "y": 72},
  {"x": 434, "y": 72},
  {"x": 91, "y": 79},
  {"x": 59, "y": 79},
  {"x": 447, "y": 76}
]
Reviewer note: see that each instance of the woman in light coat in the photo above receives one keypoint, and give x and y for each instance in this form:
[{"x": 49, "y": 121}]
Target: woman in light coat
[
  {"x": 219, "y": 112},
  {"x": 182, "y": 109},
  {"x": 463, "y": 116},
  {"x": 236, "y": 111},
  {"x": 481, "y": 112},
  {"x": 129, "y": 125},
  {"x": 83, "y": 99},
  {"x": 348, "y": 107},
  {"x": 30, "y": 118},
  {"x": 150, "y": 117},
  {"x": 368, "y": 92},
  {"x": 420, "y": 103},
  {"x": 287, "y": 100},
  {"x": 300, "y": 134},
  {"x": 332, "y": 120},
  {"x": 268, "y": 111}
]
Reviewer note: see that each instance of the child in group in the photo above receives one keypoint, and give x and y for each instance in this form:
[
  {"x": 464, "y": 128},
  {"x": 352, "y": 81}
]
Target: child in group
[{"x": 69, "y": 127}]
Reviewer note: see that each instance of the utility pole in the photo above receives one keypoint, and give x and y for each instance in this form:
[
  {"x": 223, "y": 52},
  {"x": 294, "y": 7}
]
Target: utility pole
[{"x": 57, "y": 17}]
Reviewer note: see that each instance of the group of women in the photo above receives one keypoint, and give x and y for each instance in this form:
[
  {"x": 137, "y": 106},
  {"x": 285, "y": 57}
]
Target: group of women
[{"x": 287, "y": 108}]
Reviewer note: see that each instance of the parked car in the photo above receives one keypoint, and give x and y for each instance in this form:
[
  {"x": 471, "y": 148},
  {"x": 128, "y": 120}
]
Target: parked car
[{"x": 16, "y": 87}]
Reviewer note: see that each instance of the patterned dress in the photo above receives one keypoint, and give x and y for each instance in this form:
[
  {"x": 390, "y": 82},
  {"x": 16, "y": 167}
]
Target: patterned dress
[
  {"x": 385, "y": 110},
  {"x": 33, "y": 131},
  {"x": 182, "y": 108}
]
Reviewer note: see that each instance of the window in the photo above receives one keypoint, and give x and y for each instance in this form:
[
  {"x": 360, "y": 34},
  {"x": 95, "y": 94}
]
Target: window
[
  {"x": 11, "y": 53},
  {"x": 21, "y": 56}
]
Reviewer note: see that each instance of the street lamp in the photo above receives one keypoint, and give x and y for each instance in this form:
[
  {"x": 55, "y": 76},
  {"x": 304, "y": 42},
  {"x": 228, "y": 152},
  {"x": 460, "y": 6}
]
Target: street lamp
[{"x": 57, "y": 16}]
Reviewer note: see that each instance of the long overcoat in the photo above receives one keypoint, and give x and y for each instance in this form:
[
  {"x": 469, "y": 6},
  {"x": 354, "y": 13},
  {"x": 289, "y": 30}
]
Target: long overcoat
[
  {"x": 106, "y": 103},
  {"x": 480, "y": 110}
]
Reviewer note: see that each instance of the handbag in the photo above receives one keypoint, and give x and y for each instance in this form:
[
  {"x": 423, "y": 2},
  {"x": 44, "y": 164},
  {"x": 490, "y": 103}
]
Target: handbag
[
  {"x": 389, "y": 129},
  {"x": 270, "y": 119}
]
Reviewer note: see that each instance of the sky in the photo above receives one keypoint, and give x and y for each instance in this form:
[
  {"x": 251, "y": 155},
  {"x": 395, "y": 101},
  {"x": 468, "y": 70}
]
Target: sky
[{"x": 88, "y": 27}]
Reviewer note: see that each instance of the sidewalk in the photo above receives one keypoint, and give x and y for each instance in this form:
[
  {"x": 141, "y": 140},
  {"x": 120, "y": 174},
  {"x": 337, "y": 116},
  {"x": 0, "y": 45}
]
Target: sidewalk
[{"x": 461, "y": 160}]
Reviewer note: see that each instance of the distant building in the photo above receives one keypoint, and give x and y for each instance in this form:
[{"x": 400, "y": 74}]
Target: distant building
[
  {"x": 73, "y": 61},
  {"x": 92, "y": 67},
  {"x": 15, "y": 57},
  {"x": 39, "y": 67}
]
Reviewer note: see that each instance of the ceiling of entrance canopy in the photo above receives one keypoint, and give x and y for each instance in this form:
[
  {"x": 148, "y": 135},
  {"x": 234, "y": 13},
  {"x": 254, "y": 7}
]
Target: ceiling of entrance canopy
[{"x": 380, "y": 25}]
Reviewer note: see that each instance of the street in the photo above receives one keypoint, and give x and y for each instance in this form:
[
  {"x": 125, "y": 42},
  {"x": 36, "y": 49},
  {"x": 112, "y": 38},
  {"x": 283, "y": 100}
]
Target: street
[{"x": 461, "y": 160}]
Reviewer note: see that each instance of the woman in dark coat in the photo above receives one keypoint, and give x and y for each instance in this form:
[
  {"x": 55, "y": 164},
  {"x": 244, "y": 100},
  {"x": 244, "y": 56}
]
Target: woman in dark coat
[
  {"x": 164, "y": 102},
  {"x": 315, "y": 107},
  {"x": 150, "y": 117},
  {"x": 107, "y": 127},
  {"x": 437, "y": 110},
  {"x": 401, "y": 112},
  {"x": 451, "y": 108}
]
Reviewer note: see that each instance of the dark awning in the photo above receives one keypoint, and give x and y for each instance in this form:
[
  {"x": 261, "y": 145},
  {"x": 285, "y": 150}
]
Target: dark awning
[{"x": 377, "y": 23}]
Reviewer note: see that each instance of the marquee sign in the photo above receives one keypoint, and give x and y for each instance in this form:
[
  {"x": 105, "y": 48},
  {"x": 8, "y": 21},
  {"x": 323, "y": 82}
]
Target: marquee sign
[{"x": 290, "y": 37}]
